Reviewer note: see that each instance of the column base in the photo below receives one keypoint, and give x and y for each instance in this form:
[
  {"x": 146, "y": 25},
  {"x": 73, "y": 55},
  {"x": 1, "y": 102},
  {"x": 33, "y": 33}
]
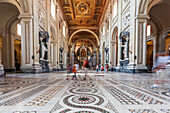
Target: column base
[
  {"x": 31, "y": 69},
  {"x": 37, "y": 68},
  {"x": 132, "y": 68},
  {"x": 10, "y": 70},
  {"x": 55, "y": 68},
  {"x": 45, "y": 66},
  {"x": 1, "y": 70},
  {"x": 50, "y": 68}
]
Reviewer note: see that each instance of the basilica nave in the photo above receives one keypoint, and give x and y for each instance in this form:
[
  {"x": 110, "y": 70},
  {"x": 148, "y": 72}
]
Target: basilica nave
[{"x": 40, "y": 39}]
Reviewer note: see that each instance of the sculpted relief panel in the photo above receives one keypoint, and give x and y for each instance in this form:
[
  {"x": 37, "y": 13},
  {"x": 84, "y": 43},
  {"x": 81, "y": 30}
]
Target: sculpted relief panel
[
  {"x": 41, "y": 18},
  {"x": 126, "y": 19}
]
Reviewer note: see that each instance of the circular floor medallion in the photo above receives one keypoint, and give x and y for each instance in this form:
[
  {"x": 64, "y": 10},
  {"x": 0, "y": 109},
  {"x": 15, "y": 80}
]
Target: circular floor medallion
[
  {"x": 83, "y": 99},
  {"x": 83, "y": 85},
  {"x": 84, "y": 112},
  {"x": 83, "y": 90}
]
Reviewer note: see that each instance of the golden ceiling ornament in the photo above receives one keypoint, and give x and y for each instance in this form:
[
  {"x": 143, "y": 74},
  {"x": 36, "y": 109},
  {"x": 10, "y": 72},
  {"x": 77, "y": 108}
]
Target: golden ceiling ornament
[{"x": 82, "y": 7}]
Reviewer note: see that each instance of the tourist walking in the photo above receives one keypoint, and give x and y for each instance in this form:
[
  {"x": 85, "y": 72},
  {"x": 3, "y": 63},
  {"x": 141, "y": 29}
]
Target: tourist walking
[{"x": 85, "y": 68}]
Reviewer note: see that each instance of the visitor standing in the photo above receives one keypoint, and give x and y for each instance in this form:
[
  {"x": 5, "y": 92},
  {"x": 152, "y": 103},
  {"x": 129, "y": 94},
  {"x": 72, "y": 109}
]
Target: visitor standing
[
  {"x": 68, "y": 71},
  {"x": 74, "y": 71},
  {"x": 97, "y": 68},
  {"x": 107, "y": 67},
  {"x": 85, "y": 68},
  {"x": 102, "y": 68}
]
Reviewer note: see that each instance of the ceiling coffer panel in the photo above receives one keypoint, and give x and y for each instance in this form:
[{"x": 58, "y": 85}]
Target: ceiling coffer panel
[{"x": 83, "y": 12}]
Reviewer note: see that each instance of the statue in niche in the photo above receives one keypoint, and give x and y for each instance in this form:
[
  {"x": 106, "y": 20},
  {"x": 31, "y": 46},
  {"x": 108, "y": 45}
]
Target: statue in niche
[
  {"x": 107, "y": 57},
  {"x": 88, "y": 52},
  {"x": 124, "y": 50},
  {"x": 44, "y": 37},
  {"x": 125, "y": 45}
]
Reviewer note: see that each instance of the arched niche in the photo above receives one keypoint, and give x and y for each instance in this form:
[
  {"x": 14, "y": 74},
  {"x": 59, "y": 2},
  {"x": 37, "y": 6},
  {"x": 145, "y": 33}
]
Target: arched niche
[
  {"x": 114, "y": 47},
  {"x": 124, "y": 48}
]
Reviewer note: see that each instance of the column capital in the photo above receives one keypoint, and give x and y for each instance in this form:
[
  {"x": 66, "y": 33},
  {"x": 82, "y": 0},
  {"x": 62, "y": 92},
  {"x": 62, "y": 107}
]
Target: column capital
[
  {"x": 70, "y": 46},
  {"x": 109, "y": 15},
  {"x": 113, "y": 42},
  {"x": 25, "y": 16},
  {"x": 142, "y": 17},
  {"x": 2, "y": 34}
]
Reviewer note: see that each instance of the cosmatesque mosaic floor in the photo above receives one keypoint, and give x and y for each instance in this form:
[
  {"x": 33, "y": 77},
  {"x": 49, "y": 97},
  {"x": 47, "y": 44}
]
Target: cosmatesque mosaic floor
[{"x": 100, "y": 93}]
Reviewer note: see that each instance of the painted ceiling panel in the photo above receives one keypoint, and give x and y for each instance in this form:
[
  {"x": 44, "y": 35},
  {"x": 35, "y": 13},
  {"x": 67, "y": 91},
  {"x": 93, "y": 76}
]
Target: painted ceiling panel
[{"x": 83, "y": 12}]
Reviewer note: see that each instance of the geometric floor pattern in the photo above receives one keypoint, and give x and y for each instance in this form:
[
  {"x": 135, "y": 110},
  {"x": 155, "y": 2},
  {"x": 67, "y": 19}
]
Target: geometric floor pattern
[{"x": 100, "y": 93}]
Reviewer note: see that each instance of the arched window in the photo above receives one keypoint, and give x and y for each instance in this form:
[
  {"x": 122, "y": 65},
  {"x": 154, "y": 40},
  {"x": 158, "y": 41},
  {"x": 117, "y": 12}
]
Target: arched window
[
  {"x": 148, "y": 30},
  {"x": 52, "y": 9},
  {"x": 19, "y": 29}
]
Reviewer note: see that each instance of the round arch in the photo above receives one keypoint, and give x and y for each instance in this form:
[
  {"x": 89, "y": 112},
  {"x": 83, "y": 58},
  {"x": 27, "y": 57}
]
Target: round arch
[
  {"x": 83, "y": 39},
  {"x": 23, "y": 6},
  {"x": 143, "y": 5},
  {"x": 13, "y": 3},
  {"x": 146, "y": 5},
  {"x": 114, "y": 47},
  {"x": 87, "y": 30},
  {"x": 115, "y": 30}
]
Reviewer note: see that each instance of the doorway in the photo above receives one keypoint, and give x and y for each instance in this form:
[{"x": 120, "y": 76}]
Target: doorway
[
  {"x": 17, "y": 54},
  {"x": 149, "y": 60}
]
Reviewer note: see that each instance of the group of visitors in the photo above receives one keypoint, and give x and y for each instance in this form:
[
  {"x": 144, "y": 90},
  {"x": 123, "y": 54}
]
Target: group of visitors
[
  {"x": 102, "y": 68},
  {"x": 75, "y": 69},
  {"x": 85, "y": 68}
]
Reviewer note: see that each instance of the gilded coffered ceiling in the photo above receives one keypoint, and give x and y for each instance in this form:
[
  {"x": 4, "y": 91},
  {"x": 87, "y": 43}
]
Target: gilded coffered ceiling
[{"x": 84, "y": 13}]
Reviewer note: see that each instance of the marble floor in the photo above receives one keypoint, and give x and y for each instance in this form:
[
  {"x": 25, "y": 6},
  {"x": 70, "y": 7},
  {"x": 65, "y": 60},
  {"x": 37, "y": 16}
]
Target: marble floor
[{"x": 100, "y": 93}]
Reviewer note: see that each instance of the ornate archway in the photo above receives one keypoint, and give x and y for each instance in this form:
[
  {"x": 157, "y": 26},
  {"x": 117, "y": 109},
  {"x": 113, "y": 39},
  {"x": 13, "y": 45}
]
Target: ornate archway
[{"x": 87, "y": 30}]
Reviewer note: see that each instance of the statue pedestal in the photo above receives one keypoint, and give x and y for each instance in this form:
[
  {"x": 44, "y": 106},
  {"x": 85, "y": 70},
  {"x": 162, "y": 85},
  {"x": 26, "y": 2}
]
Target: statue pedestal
[
  {"x": 132, "y": 68},
  {"x": 45, "y": 65},
  {"x": 1, "y": 70},
  {"x": 55, "y": 68},
  {"x": 37, "y": 68}
]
